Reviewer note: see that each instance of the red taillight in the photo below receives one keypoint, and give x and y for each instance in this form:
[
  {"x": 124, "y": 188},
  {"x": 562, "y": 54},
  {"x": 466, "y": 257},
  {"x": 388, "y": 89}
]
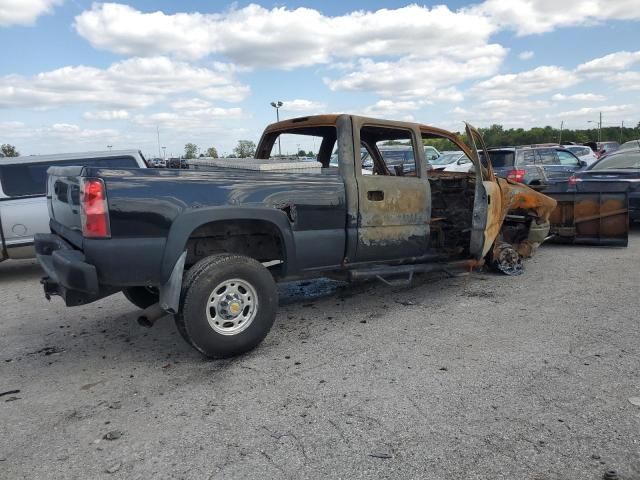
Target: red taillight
[
  {"x": 516, "y": 175},
  {"x": 95, "y": 213},
  {"x": 573, "y": 181}
]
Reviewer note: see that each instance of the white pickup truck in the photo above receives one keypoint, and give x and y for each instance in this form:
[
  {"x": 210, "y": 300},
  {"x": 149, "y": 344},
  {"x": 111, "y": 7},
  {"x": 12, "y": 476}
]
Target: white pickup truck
[{"x": 23, "y": 205}]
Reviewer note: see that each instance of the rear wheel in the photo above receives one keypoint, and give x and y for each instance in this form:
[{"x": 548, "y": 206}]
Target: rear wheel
[
  {"x": 142, "y": 297},
  {"x": 228, "y": 305}
]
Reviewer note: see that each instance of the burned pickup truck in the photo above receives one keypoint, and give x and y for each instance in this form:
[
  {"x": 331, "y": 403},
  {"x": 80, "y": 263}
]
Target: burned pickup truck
[{"x": 209, "y": 246}]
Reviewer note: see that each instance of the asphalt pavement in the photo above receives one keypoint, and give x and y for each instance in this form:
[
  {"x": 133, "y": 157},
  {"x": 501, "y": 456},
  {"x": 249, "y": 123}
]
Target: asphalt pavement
[{"x": 476, "y": 377}]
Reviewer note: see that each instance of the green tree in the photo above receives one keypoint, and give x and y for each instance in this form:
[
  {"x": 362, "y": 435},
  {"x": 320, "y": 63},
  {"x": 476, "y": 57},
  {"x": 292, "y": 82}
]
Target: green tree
[
  {"x": 302, "y": 153},
  {"x": 212, "y": 152},
  {"x": 7, "y": 150},
  {"x": 245, "y": 149},
  {"x": 190, "y": 150}
]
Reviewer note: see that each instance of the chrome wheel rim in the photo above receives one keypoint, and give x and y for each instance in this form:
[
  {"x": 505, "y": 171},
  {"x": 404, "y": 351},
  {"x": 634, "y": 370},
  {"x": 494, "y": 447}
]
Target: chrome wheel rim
[{"x": 232, "y": 306}]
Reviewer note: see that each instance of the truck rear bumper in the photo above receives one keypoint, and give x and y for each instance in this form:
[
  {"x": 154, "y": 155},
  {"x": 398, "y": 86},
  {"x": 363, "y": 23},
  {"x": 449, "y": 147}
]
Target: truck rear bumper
[{"x": 67, "y": 273}]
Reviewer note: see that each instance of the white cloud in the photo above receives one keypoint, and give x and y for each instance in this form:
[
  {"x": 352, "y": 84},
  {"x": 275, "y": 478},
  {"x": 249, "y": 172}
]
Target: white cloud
[
  {"x": 24, "y": 12},
  {"x": 509, "y": 116},
  {"x": 106, "y": 115},
  {"x": 612, "y": 112},
  {"x": 187, "y": 119},
  {"x": 387, "y": 108},
  {"x": 409, "y": 77},
  {"x": 300, "y": 105},
  {"x": 526, "y": 55},
  {"x": 190, "y": 104},
  {"x": 539, "y": 16},
  {"x": 523, "y": 84},
  {"x": 625, "y": 81},
  {"x": 67, "y": 132},
  {"x": 285, "y": 38},
  {"x": 511, "y": 104},
  {"x": 578, "y": 97},
  {"x": 131, "y": 83},
  {"x": 608, "y": 63}
]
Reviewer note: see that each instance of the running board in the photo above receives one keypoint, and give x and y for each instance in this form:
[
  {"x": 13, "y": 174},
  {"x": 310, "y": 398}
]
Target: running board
[{"x": 379, "y": 272}]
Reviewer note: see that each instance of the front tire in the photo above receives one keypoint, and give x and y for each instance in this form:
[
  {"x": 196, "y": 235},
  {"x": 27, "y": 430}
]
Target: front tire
[{"x": 227, "y": 306}]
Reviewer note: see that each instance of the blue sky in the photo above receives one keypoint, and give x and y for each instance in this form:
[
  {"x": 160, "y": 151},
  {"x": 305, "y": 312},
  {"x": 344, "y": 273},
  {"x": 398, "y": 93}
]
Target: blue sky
[{"x": 78, "y": 75}]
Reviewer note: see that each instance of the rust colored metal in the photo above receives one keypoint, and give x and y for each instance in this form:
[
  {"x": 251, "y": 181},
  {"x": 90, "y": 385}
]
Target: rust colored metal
[
  {"x": 591, "y": 218},
  {"x": 581, "y": 218}
]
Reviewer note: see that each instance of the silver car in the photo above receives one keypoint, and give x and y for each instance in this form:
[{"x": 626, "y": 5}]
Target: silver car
[{"x": 23, "y": 203}]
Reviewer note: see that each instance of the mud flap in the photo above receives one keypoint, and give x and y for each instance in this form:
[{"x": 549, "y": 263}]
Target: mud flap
[{"x": 594, "y": 217}]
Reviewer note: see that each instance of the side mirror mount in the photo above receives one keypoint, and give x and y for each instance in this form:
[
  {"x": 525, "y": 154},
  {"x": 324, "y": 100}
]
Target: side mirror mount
[{"x": 582, "y": 163}]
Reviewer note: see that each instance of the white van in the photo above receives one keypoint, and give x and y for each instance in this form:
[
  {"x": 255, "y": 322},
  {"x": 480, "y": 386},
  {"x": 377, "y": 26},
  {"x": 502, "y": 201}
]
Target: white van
[{"x": 23, "y": 205}]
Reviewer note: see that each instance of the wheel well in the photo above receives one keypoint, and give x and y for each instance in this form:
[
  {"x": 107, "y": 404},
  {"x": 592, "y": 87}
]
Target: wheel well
[
  {"x": 258, "y": 239},
  {"x": 534, "y": 182}
]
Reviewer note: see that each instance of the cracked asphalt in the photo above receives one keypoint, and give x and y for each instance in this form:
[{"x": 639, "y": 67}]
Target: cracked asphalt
[{"x": 473, "y": 377}]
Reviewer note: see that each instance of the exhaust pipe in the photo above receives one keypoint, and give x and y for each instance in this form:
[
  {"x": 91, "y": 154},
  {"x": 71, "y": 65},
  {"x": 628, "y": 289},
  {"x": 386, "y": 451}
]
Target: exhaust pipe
[{"x": 150, "y": 314}]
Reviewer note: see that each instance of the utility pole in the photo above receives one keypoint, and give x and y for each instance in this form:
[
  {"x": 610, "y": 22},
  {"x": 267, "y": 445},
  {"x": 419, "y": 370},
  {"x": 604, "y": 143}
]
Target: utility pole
[
  {"x": 600, "y": 128},
  {"x": 621, "y": 129},
  {"x": 561, "y": 127}
]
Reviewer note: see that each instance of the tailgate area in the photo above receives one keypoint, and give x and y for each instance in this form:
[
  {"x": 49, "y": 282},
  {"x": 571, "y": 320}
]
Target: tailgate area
[{"x": 67, "y": 273}]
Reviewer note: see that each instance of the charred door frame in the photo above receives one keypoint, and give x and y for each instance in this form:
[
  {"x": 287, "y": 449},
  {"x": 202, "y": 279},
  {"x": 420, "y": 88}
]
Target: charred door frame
[
  {"x": 396, "y": 226},
  {"x": 488, "y": 211}
]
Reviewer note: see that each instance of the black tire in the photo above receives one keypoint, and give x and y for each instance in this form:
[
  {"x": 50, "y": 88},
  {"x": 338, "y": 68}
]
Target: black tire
[
  {"x": 141, "y": 297},
  {"x": 193, "y": 319}
]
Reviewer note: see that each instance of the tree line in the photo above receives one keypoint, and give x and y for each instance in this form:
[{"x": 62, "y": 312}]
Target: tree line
[
  {"x": 498, "y": 136},
  {"x": 494, "y": 136},
  {"x": 244, "y": 149}
]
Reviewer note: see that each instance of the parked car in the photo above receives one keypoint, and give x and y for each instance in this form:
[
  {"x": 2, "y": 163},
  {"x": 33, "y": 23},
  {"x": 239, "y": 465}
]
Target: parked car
[
  {"x": 583, "y": 152},
  {"x": 399, "y": 158},
  {"x": 462, "y": 164},
  {"x": 605, "y": 148},
  {"x": 208, "y": 246},
  {"x": 431, "y": 153},
  {"x": 23, "y": 206},
  {"x": 446, "y": 159},
  {"x": 174, "y": 163},
  {"x": 632, "y": 144},
  {"x": 619, "y": 169},
  {"x": 539, "y": 166}
]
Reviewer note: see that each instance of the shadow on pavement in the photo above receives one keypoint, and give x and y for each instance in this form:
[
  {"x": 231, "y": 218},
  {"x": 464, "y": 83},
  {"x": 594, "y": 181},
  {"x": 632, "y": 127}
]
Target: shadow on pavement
[{"x": 12, "y": 270}]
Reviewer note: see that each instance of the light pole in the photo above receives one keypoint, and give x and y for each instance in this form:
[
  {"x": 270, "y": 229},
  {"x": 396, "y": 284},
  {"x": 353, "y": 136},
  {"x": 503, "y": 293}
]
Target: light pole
[
  {"x": 158, "y": 132},
  {"x": 599, "y": 122},
  {"x": 561, "y": 128},
  {"x": 277, "y": 104},
  {"x": 164, "y": 153}
]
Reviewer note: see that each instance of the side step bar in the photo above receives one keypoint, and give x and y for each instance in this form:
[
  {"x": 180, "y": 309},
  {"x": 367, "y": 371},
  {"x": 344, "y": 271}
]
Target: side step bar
[{"x": 456, "y": 268}]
